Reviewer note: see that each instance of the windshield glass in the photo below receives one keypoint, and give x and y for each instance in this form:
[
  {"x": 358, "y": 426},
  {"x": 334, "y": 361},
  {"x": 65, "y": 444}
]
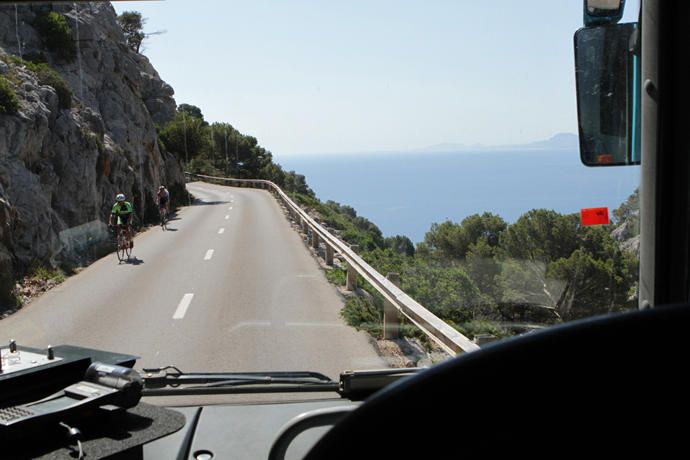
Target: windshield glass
[{"x": 293, "y": 186}]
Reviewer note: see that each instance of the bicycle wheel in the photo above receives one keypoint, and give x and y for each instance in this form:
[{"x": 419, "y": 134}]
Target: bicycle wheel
[
  {"x": 128, "y": 246},
  {"x": 121, "y": 241}
]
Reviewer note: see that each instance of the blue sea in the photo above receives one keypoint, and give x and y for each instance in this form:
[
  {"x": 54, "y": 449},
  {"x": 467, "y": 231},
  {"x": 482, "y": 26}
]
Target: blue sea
[{"x": 404, "y": 193}]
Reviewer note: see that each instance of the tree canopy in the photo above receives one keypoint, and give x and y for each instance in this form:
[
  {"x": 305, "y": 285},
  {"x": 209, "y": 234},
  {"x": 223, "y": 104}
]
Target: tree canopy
[
  {"x": 218, "y": 149},
  {"x": 56, "y": 34},
  {"x": 483, "y": 275},
  {"x": 133, "y": 27},
  {"x": 453, "y": 241},
  {"x": 192, "y": 111}
]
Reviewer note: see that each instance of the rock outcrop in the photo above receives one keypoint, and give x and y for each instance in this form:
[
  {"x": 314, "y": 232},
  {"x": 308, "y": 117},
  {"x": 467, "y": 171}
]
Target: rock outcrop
[
  {"x": 627, "y": 233},
  {"x": 60, "y": 167}
]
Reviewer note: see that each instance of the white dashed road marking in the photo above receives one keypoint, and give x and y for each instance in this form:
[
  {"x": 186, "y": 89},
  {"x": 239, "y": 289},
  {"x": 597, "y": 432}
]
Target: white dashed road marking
[
  {"x": 183, "y": 306},
  {"x": 209, "y": 254},
  {"x": 221, "y": 231},
  {"x": 249, "y": 324},
  {"x": 227, "y": 217}
]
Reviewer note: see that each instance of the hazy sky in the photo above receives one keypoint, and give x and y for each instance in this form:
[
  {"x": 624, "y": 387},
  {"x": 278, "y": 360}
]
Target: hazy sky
[{"x": 368, "y": 75}]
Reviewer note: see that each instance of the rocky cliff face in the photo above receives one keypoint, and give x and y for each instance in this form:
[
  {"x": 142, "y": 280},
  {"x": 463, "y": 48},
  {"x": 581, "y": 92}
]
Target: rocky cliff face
[
  {"x": 60, "y": 168},
  {"x": 627, "y": 233},
  {"x": 627, "y": 219}
]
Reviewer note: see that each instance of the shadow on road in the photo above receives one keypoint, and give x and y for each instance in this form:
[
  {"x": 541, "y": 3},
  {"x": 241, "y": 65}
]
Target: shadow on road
[
  {"x": 170, "y": 229},
  {"x": 134, "y": 260},
  {"x": 200, "y": 202}
]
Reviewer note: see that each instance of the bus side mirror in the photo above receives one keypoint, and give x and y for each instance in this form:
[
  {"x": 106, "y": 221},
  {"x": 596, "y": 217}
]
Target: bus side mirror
[{"x": 607, "y": 77}]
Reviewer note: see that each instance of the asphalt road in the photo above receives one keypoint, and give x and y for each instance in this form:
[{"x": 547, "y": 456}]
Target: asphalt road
[{"x": 230, "y": 286}]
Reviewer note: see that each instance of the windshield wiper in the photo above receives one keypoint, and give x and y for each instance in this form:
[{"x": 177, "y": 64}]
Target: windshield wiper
[{"x": 171, "y": 381}]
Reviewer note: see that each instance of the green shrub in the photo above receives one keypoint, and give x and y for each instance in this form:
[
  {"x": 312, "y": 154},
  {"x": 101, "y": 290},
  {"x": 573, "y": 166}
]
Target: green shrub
[
  {"x": 49, "y": 77},
  {"x": 477, "y": 327},
  {"x": 45, "y": 274},
  {"x": 56, "y": 34},
  {"x": 68, "y": 269},
  {"x": 305, "y": 200},
  {"x": 8, "y": 98},
  {"x": 202, "y": 165},
  {"x": 362, "y": 314},
  {"x": 336, "y": 276},
  {"x": 408, "y": 329},
  {"x": 93, "y": 139}
]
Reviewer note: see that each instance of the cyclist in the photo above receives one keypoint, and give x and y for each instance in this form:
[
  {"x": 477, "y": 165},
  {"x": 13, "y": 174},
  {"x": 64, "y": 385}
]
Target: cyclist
[
  {"x": 163, "y": 196},
  {"x": 121, "y": 215}
]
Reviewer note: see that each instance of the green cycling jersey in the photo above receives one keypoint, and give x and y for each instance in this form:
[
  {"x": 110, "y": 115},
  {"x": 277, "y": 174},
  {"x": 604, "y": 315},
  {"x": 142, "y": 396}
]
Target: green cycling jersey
[{"x": 122, "y": 212}]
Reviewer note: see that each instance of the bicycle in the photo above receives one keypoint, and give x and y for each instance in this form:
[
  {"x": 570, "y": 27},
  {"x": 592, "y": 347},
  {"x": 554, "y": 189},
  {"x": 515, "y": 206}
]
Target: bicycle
[
  {"x": 124, "y": 243},
  {"x": 163, "y": 213}
]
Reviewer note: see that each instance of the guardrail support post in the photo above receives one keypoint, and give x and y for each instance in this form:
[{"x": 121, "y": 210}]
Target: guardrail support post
[
  {"x": 329, "y": 255},
  {"x": 351, "y": 281},
  {"x": 314, "y": 240},
  {"x": 391, "y": 315}
]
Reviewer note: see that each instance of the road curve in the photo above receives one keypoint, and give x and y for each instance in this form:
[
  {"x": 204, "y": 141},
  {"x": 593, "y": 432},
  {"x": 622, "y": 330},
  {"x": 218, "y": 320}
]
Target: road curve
[{"x": 230, "y": 286}]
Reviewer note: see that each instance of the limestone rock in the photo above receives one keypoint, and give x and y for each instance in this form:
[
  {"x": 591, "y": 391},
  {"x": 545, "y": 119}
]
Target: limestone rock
[{"x": 60, "y": 168}]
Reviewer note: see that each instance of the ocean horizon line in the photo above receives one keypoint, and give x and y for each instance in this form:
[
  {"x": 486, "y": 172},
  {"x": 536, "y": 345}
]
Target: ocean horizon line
[{"x": 379, "y": 153}]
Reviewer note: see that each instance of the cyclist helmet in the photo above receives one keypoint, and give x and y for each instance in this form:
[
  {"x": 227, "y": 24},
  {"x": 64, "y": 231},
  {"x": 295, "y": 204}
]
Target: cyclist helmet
[
  {"x": 161, "y": 187},
  {"x": 120, "y": 197}
]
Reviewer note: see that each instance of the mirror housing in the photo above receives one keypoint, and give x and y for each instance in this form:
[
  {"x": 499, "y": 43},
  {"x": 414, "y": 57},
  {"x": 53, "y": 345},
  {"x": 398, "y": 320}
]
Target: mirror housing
[
  {"x": 598, "y": 12},
  {"x": 607, "y": 77}
]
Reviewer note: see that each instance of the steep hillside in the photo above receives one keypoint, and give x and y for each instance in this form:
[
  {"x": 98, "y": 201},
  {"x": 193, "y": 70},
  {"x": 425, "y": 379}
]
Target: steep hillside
[{"x": 77, "y": 125}]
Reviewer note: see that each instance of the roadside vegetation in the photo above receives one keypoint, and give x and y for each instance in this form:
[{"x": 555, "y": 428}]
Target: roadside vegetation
[
  {"x": 484, "y": 276},
  {"x": 56, "y": 34},
  {"x": 8, "y": 97},
  {"x": 45, "y": 76},
  {"x": 39, "y": 279},
  {"x": 219, "y": 149}
]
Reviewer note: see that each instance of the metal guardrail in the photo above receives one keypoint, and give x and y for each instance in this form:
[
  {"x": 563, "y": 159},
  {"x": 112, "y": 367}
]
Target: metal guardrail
[{"x": 444, "y": 335}]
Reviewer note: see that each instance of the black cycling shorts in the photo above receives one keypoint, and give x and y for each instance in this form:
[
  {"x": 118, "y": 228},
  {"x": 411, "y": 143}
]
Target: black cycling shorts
[{"x": 124, "y": 219}]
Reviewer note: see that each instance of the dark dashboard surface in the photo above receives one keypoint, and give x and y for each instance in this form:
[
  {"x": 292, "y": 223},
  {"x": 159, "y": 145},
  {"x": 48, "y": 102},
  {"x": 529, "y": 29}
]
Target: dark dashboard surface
[
  {"x": 238, "y": 431},
  {"x": 43, "y": 412}
]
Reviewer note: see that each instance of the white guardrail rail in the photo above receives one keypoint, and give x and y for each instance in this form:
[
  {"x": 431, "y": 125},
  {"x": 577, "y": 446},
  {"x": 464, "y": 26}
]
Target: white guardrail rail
[{"x": 396, "y": 300}]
